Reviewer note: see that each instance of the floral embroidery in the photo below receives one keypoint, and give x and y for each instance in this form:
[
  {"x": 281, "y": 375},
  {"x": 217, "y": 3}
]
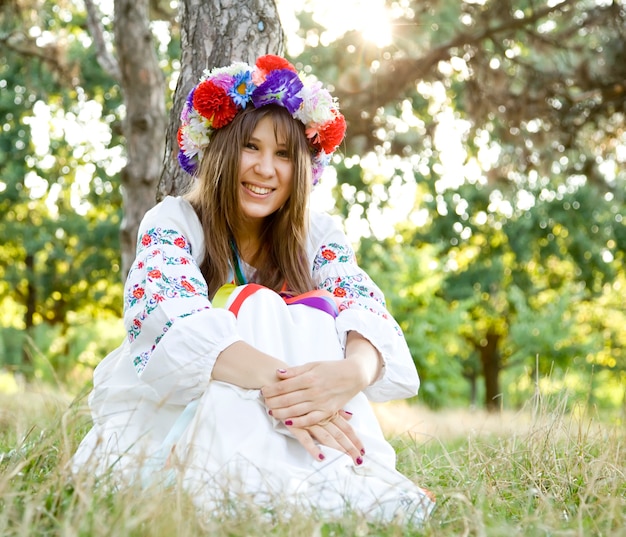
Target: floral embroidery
[
  {"x": 333, "y": 252},
  {"x": 142, "y": 359},
  {"x": 159, "y": 236},
  {"x": 353, "y": 287}
]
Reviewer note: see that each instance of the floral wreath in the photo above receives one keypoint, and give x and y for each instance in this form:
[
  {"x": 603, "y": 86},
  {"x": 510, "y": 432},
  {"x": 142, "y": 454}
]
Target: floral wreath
[{"x": 224, "y": 91}]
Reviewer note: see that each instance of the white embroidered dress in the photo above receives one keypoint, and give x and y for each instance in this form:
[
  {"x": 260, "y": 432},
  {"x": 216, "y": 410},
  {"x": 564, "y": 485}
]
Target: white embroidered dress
[{"x": 153, "y": 397}]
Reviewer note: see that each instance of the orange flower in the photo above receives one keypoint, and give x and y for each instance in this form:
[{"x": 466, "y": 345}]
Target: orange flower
[
  {"x": 180, "y": 242},
  {"x": 145, "y": 240},
  {"x": 156, "y": 273},
  {"x": 188, "y": 286},
  {"x": 139, "y": 292},
  {"x": 328, "y": 254},
  {"x": 339, "y": 292}
]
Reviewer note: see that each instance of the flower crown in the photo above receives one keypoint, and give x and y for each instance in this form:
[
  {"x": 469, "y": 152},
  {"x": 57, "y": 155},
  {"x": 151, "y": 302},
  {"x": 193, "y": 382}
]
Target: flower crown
[{"x": 224, "y": 91}]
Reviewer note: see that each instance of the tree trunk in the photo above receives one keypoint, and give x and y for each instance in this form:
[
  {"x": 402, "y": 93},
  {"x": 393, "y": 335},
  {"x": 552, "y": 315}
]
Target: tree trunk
[
  {"x": 143, "y": 87},
  {"x": 490, "y": 360},
  {"x": 215, "y": 33},
  {"x": 27, "y": 366}
]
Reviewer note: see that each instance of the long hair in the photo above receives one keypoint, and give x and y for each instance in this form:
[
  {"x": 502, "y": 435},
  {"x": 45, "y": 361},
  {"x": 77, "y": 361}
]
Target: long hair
[{"x": 281, "y": 258}]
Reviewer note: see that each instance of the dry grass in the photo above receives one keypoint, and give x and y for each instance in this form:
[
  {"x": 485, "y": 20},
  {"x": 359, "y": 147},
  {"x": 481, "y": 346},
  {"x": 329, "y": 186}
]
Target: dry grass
[{"x": 541, "y": 471}]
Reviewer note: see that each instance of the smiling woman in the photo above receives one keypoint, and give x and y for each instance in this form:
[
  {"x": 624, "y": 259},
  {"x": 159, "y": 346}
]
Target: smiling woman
[{"x": 254, "y": 338}]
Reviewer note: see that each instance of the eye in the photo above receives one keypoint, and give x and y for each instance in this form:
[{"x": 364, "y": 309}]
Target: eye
[
  {"x": 282, "y": 153},
  {"x": 251, "y": 145}
]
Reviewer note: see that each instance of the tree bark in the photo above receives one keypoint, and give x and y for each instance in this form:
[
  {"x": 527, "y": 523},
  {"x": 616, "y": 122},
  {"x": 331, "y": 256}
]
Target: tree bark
[
  {"x": 490, "y": 360},
  {"x": 143, "y": 87},
  {"x": 215, "y": 33}
]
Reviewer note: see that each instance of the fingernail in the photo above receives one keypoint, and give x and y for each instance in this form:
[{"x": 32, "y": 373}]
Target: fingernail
[
  {"x": 321, "y": 457},
  {"x": 288, "y": 423},
  {"x": 362, "y": 451},
  {"x": 271, "y": 414},
  {"x": 348, "y": 412},
  {"x": 282, "y": 371},
  {"x": 359, "y": 461}
]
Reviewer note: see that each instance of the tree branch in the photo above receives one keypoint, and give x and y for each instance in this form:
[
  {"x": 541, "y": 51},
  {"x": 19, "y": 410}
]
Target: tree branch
[{"x": 106, "y": 60}]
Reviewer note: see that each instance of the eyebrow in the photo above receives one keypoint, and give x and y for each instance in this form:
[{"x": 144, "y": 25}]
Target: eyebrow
[{"x": 279, "y": 144}]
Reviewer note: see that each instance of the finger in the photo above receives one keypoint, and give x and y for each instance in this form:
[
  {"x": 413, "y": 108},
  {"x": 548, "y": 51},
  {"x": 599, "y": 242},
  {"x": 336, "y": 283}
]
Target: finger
[
  {"x": 284, "y": 386},
  {"x": 306, "y": 440},
  {"x": 332, "y": 436},
  {"x": 345, "y": 414},
  {"x": 293, "y": 412},
  {"x": 307, "y": 419},
  {"x": 351, "y": 434},
  {"x": 291, "y": 372}
]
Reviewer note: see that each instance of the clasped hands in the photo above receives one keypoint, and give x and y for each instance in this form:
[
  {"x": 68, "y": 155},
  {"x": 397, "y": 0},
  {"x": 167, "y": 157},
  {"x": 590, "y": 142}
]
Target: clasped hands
[{"x": 309, "y": 399}]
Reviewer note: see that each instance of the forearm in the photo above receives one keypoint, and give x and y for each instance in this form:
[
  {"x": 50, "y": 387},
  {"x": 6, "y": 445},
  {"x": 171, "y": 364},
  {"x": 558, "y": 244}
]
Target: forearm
[
  {"x": 365, "y": 358},
  {"x": 244, "y": 366}
]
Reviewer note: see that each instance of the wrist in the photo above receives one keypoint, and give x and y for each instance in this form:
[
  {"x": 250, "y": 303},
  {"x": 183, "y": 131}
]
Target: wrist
[{"x": 364, "y": 358}]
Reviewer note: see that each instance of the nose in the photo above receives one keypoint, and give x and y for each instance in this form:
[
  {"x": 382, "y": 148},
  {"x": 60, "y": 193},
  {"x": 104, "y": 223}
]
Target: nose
[{"x": 265, "y": 164}]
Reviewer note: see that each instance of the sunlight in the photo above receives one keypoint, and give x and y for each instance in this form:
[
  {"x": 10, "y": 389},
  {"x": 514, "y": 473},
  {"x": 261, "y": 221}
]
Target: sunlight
[{"x": 369, "y": 17}]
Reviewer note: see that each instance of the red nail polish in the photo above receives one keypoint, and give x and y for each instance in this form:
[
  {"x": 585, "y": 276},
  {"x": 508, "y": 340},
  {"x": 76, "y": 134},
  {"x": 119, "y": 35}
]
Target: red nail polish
[
  {"x": 321, "y": 457},
  {"x": 270, "y": 413},
  {"x": 282, "y": 371},
  {"x": 348, "y": 412},
  {"x": 359, "y": 461},
  {"x": 362, "y": 451},
  {"x": 288, "y": 423}
]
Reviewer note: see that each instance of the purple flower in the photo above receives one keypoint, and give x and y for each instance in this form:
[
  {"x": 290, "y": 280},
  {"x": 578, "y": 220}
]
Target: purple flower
[
  {"x": 187, "y": 164},
  {"x": 280, "y": 87},
  {"x": 189, "y": 101}
]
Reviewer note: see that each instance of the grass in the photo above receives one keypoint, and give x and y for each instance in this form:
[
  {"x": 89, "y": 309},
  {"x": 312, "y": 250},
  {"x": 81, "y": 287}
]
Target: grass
[{"x": 543, "y": 471}]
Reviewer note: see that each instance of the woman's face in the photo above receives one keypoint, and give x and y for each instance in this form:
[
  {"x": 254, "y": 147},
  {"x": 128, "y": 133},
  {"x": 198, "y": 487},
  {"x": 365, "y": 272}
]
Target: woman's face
[{"x": 265, "y": 172}]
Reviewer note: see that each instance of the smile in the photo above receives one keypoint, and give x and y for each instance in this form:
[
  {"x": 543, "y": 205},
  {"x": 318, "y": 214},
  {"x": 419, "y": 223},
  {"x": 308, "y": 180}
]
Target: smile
[{"x": 257, "y": 189}]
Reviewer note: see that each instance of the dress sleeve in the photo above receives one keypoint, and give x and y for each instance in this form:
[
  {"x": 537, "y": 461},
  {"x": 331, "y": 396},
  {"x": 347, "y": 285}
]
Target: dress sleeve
[
  {"x": 362, "y": 309},
  {"x": 175, "y": 334}
]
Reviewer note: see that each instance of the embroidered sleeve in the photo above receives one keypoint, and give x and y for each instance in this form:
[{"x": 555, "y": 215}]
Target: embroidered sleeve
[
  {"x": 338, "y": 273},
  {"x": 362, "y": 309},
  {"x": 163, "y": 285}
]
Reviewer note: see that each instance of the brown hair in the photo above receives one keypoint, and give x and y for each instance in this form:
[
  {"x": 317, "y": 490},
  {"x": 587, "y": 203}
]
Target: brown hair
[{"x": 215, "y": 197}]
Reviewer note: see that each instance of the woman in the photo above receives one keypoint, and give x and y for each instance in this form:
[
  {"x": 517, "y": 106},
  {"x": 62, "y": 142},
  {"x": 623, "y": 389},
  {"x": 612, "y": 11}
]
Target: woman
[{"x": 254, "y": 339}]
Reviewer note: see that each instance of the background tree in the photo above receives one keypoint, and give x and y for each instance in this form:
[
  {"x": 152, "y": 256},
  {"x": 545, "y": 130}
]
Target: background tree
[{"x": 489, "y": 135}]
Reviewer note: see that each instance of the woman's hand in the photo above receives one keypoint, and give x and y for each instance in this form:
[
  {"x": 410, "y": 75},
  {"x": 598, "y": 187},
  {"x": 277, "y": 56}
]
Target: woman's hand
[
  {"x": 336, "y": 433},
  {"x": 310, "y": 393}
]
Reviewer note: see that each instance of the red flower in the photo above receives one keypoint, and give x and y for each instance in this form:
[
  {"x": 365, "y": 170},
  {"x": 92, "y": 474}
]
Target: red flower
[
  {"x": 328, "y": 254},
  {"x": 156, "y": 273},
  {"x": 140, "y": 264},
  {"x": 137, "y": 323},
  {"x": 213, "y": 103},
  {"x": 269, "y": 62},
  {"x": 158, "y": 298},
  {"x": 330, "y": 134},
  {"x": 179, "y": 137},
  {"x": 180, "y": 242},
  {"x": 139, "y": 292},
  {"x": 145, "y": 240},
  {"x": 188, "y": 286},
  {"x": 339, "y": 291},
  {"x": 184, "y": 261}
]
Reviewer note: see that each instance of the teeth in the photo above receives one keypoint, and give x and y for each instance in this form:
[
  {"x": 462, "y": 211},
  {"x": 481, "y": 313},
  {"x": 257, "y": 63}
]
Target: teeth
[{"x": 258, "y": 189}]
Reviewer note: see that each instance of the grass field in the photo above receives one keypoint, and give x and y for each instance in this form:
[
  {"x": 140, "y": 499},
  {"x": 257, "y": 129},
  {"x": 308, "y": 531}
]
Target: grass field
[{"x": 538, "y": 472}]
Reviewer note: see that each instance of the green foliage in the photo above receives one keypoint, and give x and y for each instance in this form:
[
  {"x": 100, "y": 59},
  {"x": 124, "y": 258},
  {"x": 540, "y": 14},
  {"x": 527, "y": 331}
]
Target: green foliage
[
  {"x": 542, "y": 471},
  {"x": 60, "y": 203}
]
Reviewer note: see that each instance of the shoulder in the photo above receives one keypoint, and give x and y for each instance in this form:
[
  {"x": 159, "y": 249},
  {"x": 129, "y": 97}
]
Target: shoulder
[
  {"x": 322, "y": 224},
  {"x": 175, "y": 214},
  {"x": 324, "y": 229}
]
